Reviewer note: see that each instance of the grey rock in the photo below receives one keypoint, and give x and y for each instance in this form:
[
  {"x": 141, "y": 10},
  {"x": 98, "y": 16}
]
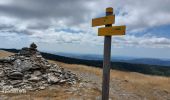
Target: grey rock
[
  {"x": 2, "y": 74},
  {"x": 27, "y": 58},
  {"x": 5, "y": 60},
  {"x": 42, "y": 87},
  {"x": 17, "y": 64},
  {"x": 39, "y": 56},
  {"x": 48, "y": 65},
  {"x": 14, "y": 82},
  {"x": 37, "y": 73},
  {"x": 16, "y": 75},
  {"x": 62, "y": 81},
  {"x": 26, "y": 65},
  {"x": 33, "y": 46},
  {"x": 28, "y": 70},
  {"x": 34, "y": 78},
  {"x": 28, "y": 87},
  {"x": 52, "y": 79}
]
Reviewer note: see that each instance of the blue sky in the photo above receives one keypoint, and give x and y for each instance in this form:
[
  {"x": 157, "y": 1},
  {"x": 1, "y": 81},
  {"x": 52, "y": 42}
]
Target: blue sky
[{"x": 65, "y": 26}]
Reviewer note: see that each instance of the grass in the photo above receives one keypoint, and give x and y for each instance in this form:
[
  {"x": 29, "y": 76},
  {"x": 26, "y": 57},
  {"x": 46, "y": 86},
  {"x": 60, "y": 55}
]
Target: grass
[
  {"x": 140, "y": 84},
  {"x": 4, "y": 53}
]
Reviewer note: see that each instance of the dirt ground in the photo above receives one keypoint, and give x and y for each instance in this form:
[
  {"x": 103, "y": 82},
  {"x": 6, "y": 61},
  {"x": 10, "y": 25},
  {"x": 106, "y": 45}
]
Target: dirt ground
[{"x": 123, "y": 86}]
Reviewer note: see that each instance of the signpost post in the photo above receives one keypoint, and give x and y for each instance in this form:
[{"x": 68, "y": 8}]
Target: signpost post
[{"x": 107, "y": 31}]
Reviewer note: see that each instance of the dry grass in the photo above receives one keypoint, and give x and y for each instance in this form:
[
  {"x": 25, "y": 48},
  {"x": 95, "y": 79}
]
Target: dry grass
[
  {"x": 143, "y": 80},
  {"x": 142, "y": 85},
  {"x": 80, "y": 68},
  {"x": 133, "y": 77},
  {"x": 4, "y": 53}
]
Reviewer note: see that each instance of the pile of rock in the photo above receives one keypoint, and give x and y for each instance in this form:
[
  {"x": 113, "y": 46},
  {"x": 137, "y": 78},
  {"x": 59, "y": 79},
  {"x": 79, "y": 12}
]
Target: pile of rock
[{"x": 28, "y": 70}]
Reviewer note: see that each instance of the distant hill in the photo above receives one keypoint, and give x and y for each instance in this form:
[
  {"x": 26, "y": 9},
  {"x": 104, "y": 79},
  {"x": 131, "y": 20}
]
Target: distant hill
[
  {"x": 123, "y": 66},
  {"x": 93, "y": 56},
  {"x": 150, "y": 61}
]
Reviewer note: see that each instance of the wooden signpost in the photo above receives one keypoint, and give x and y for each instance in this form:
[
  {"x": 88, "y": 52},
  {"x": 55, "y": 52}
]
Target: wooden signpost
[{"x": 107, "y": 31}]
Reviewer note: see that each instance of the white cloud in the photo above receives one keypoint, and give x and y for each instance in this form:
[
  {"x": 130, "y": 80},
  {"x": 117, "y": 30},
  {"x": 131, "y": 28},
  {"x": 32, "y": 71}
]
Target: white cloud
[
  {"x": 39, "y": 19},
  {"x": 144, "y": 41}
]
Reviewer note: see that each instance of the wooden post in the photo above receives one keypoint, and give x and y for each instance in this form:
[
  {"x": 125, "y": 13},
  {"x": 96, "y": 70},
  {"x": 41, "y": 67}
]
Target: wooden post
[
  {"x": 107, "y": 31},
  {"x": 106, "y": 61}
]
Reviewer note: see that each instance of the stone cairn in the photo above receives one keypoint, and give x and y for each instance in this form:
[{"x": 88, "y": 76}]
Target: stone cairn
[{"x": 29, "y": 71}]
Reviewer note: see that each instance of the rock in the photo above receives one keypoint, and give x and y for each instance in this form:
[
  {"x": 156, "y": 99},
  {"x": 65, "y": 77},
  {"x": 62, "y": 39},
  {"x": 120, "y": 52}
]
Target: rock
[
  {"x": 28, "y": 87},
  {"x": 27, "y": 76},
  {"x": 2, "y": 74},
  {"x": 28, "y": 70},
  {"x": 16, "y": 75},
  {"x": 62, "y": 81},
  {"x": 26, "y": 58},
  {"x": 42, "y": 87},
  {"x": 37, "y": 73},
  {"x": 17, "y": 64},
  {"x": 5, "y": 60},
  {"x": 25, "y": 51},
  {"x": 66, "y": 76},
  {"x": 33, "y": 46},
  {"x": 52, "y": 79},
  {"x": 14, "y": 82},
  {"x": 34, "y": 79},
  {"x": 25, "y": 65},
  {"x": 48, "y": 65},
  {"x": 39, "y": 56}
]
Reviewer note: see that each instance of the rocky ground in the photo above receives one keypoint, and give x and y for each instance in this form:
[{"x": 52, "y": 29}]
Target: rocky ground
[
  {"x": 28, "y": 71},
  {"x": 123, "y": 86}
]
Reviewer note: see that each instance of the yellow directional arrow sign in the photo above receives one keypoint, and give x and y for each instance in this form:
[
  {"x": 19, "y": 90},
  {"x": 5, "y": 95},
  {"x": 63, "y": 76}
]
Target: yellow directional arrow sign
[
  {"x": 114, "y": 30},
  {"x": 103, "y": 20}
]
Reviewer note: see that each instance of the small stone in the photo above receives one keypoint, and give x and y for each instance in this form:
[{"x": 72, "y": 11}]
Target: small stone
[
  {"x": 28, "y": 87},
  {"x": 48, "y": 65},
  {"x": 34, "y": 78},
  {"x": 33, "y": 46},
  {"x": 52, "y": 79},
  {"x": 74, "y": 82},
  {"x": 37, "y": 73},
  {"x": 62, "y": 81},
  {"x": 66, "y": 75},
  {"x": 42, "y": 87},
  {"x": 39, "y": 56},
  {"x": 14, "y": 82},
  {"x": 2, "y": 73},
  {"x": 27, "y": 58},
  {"x": 16, "y": 75}
]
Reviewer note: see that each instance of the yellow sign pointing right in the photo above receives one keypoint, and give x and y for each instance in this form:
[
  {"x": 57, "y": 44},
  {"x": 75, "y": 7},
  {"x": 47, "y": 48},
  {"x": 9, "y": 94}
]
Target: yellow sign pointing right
[{"x": 114, "y": 30}]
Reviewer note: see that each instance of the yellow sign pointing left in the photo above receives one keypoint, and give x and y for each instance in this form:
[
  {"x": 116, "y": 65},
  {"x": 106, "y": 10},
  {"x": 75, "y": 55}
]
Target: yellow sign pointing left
[{"x": 103, "y": 20}]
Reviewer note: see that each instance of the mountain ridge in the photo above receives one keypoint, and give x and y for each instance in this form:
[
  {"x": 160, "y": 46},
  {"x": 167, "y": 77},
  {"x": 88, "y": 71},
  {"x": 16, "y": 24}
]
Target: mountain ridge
[
  {"x": 123, "y": 66},
  {"x": 134, "y": 60}
]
